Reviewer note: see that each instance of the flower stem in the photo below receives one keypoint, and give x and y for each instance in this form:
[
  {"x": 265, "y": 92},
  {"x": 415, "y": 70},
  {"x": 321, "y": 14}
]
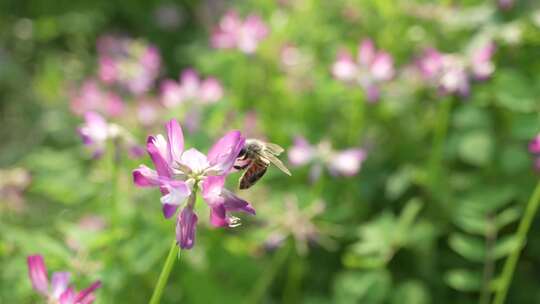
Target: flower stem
[
  {"x": 268, "y": 276},
  {"x": 512, "y": 259},
  {"x": 437, "y": 149},
  {"x": 165, "y": 272}
]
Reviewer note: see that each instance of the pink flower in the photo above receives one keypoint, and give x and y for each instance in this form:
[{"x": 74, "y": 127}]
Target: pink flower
[
  {"x": 131, "y": 64},
  {"x": 180, "y": 174},
  {"x": 94, "y": 132},
  {"x": 453, "y": 73},
  {"x": 190, "y": 88},
  {"x": 345, "y": 163},
  {"x": 505, "y": 5},
  {"x": 369, "y": 70},
  {"x": 244, "y": 35},
  {"x": 481, "y": 65},
  {"x": 534, "y": 145},
  {"x": 91, "y": 97},
  {"x": 59, "y": 290}
]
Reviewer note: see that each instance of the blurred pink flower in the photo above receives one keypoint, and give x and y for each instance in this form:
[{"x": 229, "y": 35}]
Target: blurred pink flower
[
  {"x": 132, "y": 64},
  {"x": 180, "y": 174},
  {"x": 190, "y": 88},
  {"x": 453, "y": 73},
  {"x": 91, "y": 97},
  {"x": 59, "y": 291},
  {"x": 371, "y": 68},
  {"x": 345, "y": 163},
  {"x": 96, "y": 131},
  {"x": 147, "y": 112},
  {"x": 244, "y": 35},
  {"x": 505, "y": 4},
  {"x": 534, "y": 145}
]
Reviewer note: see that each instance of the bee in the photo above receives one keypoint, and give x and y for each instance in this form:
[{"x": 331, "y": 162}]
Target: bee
[{"x": 255, "y": 157}]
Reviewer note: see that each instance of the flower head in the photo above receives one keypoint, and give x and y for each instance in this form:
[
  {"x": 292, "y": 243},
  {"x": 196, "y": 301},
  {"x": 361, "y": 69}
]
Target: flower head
[
  {"x": 132, "y": 64},
  {"x": 370, "y": 68},
  {"x": 58, "y": 291},
  {"x": 453, "y": 73},
  {"x": 244, "y": 35},
  {"x": 181, "y": 174},
  {"x": 190, "y": 88},
  {"x": 345, "y": 163},
  {"x": 96, "y": 131},
  {"x": 90, "y": 96}
]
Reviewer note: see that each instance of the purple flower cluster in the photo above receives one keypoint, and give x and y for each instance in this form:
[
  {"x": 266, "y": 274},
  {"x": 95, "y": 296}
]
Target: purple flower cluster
[
  {"x": 453, "y": 73},
  {"x": 235, "y": 33},
  {"x": 59, "y": 291},
  {"x": 180, "y": 174},
  {"x": 345, "y": 163},
  {"x": 369, "y": 69}
]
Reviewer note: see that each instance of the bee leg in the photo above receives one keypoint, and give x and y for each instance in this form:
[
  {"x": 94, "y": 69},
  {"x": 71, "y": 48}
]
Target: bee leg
[{"x": 237, "y": 167}]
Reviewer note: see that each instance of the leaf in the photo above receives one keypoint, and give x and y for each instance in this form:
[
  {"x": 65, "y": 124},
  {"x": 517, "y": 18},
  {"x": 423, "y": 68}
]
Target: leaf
[
  {"x": 476, "y": 148},
  {"x": 505, "y": 246},
  {"x": 411, "y": 292},
  {"x": 362, "y": 287},
  {"x": 469, "y": 247},
  {"x": 507, "y": 216},
  {"x": 514, "y": 92},
  {"x": 463, "y": 280}
]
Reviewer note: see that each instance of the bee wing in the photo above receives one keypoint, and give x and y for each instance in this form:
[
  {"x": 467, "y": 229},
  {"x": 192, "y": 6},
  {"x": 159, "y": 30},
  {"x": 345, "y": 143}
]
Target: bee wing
[
  {"x": 274, "y": 149},
  {"x": 276, "y": 162}
]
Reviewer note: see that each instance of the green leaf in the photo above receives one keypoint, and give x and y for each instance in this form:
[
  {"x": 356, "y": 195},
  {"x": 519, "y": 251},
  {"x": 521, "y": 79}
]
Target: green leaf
[
  {"x": 476, "y": 148},
  {"x": 411, "y": 292},
  {"x": 469, "y": 247},
  {"x": 463, "y": 280},
  {"x": 362, "y": 287},
  {"x": 504, "y": 246}
]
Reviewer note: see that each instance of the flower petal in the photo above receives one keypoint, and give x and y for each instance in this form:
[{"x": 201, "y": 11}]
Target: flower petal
[
  {"x": 366, "y": 52},
  {"x": 224, "y": 152},
  {"x": 38, "y": 273},
  {"x": 185, "y": 228},
  {"x": 59, "y": 283},
  {"x": 344, "y": 68},
  {"x": 211, "y": 90},
  {"x": 145, "y": 177},
  {"x": 348, "y": 162},
  {"x": 177, "y": 192},
  {"x": 234, "y": 203},
  {"x": 218, "y": 216},
  {"x": 86, "y": 295},
  {"x": 154, "y": 146},
  {"x": 67, "y": 297},
  {"x": 534, "y": 145},
  {"x": 211, "y": 189},
  {"x": 301, "y": 153},
  {"x": 382, "y": 67},
  {"x": 195, "y": 160},
  {"x": 176, "y": 139}
]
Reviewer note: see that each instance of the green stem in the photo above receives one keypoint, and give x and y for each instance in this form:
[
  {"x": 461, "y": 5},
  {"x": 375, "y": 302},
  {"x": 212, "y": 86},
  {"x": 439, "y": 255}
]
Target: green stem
[
  {"x": 294, "y": 279},
  {"x": 165, "y": 272},
  {"x": 268, "y": 276},
  {"x": 437, "y": 149},
  {"x": 512, "y": 259},
  {"x": 489, "y": 262}
]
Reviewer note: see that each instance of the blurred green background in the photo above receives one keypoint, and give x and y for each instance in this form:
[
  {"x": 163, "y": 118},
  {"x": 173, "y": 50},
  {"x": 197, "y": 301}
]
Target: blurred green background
[{"x": 429, "y": 218}]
